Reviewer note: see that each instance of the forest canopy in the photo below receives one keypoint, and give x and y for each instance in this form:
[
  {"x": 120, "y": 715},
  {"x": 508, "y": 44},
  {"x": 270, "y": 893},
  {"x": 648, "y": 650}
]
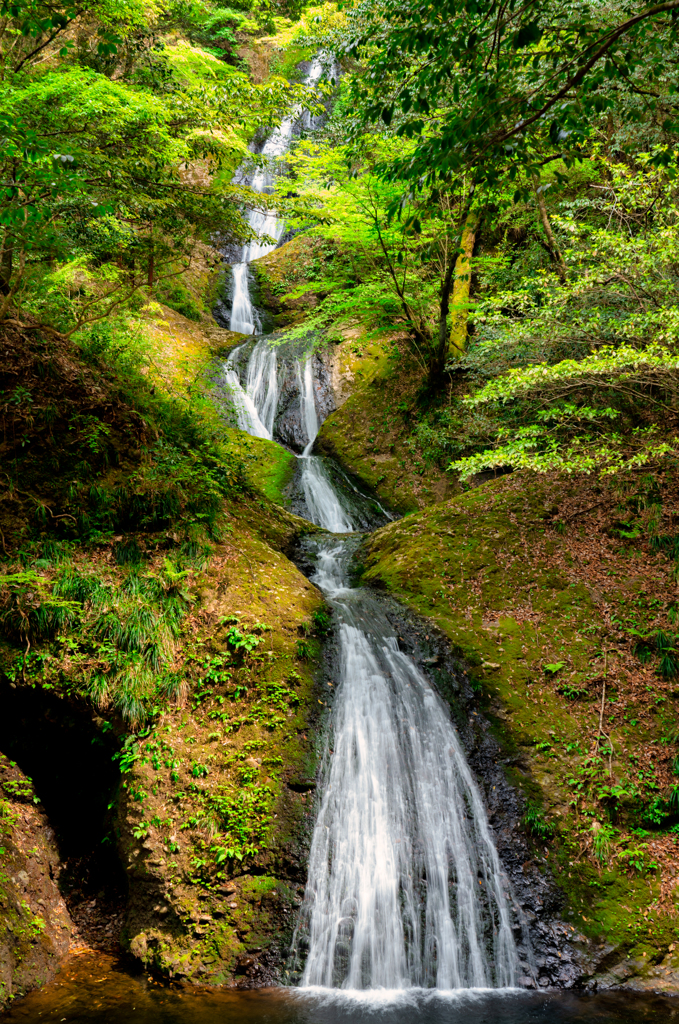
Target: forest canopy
[
  {"x": 496, "y": 182},
  {"x": 118, "y": 151}
]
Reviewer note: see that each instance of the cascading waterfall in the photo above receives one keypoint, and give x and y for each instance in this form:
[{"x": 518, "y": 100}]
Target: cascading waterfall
[
  {"x": 243, "y": 315},
  {"x": 320, "y": 496},
  {"x": 247, "y": 414},
  {"x": 307, "y": 400},
  {"x": 405, "y": 885},
  {"x": 262, "y": 383}
]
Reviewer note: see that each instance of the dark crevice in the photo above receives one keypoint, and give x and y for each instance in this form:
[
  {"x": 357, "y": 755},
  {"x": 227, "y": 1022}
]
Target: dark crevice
[{"x": 60, "y": 747}]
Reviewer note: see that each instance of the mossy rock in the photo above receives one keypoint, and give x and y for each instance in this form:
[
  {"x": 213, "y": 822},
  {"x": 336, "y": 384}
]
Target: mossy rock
[{"x": 496, "y": 571}]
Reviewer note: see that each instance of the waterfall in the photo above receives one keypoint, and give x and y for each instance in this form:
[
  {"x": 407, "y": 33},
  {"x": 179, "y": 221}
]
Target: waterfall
[
  {"x": 262, "y": 383},
  {"x": 264, "y": 224},
  {"x": 307, "y": 400},
  {"x": 405, "y": 884},
  {"x": 242, "y": 312},
  {"x": 320, "y": 496},
  {"x": 268, "y": 224},
  {"x": 244, "y": 401}
]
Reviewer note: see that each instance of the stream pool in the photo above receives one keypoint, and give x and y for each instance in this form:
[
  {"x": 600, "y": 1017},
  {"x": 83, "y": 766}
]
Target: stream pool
[{"x": 98, "y": 988}]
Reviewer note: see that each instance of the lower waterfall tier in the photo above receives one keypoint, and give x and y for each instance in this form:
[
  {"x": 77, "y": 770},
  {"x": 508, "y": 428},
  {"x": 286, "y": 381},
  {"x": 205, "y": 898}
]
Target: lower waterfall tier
[{"x": 405, "y": 885}]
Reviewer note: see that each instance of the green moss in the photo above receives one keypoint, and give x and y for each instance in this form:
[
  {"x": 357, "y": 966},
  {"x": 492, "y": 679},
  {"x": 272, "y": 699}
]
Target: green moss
[
  {"x": 269, "y": 467},
  {"x": 369, "y": 432},
  {"x": 489, "y": 570},
  {"x": 259, "y": 886},
  {"x": 284, "y": 61}
]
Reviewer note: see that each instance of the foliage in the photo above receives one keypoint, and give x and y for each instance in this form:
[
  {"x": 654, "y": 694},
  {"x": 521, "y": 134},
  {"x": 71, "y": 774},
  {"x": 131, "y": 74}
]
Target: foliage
[
  {"x": 607, "y": 406},
  {"x": 118, "y": 640},
  {"x": 534, "y": 820},
  {"x": 117, "y": 207},
  {"x": 390, "y": 271},
  {"x": 489, "y": 88},
  {"x": 603, "y": 835}
]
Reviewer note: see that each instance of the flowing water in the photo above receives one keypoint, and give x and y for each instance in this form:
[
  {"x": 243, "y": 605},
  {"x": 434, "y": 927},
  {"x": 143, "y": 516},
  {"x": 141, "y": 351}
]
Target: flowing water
[
  {"x": 98, "y": 989},
  {"x": 264, "y": 225},
  {"x": 255, "y": 404},
  {"x": 407, "y": 916},
  {"x": 405, "y": 885}
]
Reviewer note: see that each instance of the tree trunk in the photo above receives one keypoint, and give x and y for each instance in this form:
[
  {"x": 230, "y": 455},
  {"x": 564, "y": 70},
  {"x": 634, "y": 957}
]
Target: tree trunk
[
  {"x": 461, "y": 285},
  {"x": 152, "y": 267},
  {"x": 6, "y": 265},
  {"x": 557, "y": 257}
]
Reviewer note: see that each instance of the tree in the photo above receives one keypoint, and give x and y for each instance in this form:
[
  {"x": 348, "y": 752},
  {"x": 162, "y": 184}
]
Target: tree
[
  {"x": 494, "y": 92},
  {"x": 95, "y": 160},
  {"x": 501, "y": 86},
  {"x": 584, "y": 377},
  {"x": 405, "y": 267}
]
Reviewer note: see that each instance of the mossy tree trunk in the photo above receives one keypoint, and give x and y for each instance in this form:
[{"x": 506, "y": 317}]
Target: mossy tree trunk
[
  {"x": 461, "y": 287},
  {"x": 454, "y": 295}
]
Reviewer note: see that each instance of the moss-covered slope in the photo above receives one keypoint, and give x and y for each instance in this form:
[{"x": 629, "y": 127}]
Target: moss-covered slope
[
  {"x": 213, "y": 815},
  {"x": 144, "y": 583},
  {"x": 541, "y": 589},
  {"x": 370, "y": 433}
]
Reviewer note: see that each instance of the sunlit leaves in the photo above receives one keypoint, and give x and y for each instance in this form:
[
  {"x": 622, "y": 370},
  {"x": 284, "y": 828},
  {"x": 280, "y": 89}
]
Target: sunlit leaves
[{"x": 492, "y": 80}]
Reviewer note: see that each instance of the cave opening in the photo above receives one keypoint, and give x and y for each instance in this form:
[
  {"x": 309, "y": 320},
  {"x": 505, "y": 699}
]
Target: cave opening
[{"x": 61, "y": 748}]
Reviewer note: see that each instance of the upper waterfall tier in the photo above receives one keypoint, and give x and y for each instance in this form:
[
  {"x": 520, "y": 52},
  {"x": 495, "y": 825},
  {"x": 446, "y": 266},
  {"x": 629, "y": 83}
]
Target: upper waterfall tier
[
  {"x": 257, "y": 387},
  {"x": 263, "y": 224}
]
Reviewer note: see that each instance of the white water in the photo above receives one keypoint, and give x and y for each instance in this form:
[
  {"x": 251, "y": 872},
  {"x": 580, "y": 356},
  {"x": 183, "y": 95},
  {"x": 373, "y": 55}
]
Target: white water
[
  {"x": 405, "y": 885},
  {"x": 320, "y": 496},
  {"x": 307, "y": 401},
  {"x": 246, "y": 411},
  {"x": 262, "y": 383},
  {"x": 255, "y": 404},
  {"x": 263, "y": 224}
]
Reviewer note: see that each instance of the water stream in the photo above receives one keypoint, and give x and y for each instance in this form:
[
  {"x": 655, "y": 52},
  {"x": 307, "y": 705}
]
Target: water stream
[
  {"x": 263, "y": 224},
  {"x": 405, "y": 885}
]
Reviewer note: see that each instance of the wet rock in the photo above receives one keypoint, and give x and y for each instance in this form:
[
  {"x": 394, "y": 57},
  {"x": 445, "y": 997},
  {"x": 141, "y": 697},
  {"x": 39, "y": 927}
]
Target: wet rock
[
  {"x": 245, "y": 963},
  {"x": 35, "y": 925},
  {"x": 289, "y": 427}
]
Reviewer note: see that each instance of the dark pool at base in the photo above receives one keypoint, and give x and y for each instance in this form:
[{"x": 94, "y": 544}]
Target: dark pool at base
[{"x": 97, "y": 988}]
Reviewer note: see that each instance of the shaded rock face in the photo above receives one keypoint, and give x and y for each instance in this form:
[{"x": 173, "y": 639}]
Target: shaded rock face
[
  {"x": 60, "y": 875},
  {"x": 289, "y": 428},
  {"x": 35, "y": 926}
]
